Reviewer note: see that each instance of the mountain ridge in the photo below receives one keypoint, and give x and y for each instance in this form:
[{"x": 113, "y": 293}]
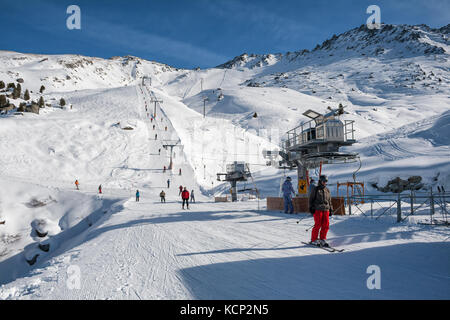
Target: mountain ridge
[{"x": 363, "y": 36}]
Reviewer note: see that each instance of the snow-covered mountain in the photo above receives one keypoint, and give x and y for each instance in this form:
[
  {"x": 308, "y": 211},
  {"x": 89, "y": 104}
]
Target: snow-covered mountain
[
  {"x": 387, "y": 78},
  {"x": 389, "y": 41},
  {"x": 74, "y": 72},
  {"x": 394, "y": 82}
]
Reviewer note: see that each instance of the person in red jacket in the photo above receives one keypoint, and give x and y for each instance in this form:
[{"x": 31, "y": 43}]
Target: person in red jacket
[{"x": 185, "y": 197}]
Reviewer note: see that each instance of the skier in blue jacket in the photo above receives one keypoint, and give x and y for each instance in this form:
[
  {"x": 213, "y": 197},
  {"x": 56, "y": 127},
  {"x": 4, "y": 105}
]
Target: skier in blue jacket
[{"x": 288, "y": 190}]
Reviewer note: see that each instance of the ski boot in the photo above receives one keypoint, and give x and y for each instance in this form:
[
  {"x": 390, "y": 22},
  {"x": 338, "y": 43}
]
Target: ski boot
[
  {"x": 315, "y": 243},
  {"x": 323, "y": 243}
]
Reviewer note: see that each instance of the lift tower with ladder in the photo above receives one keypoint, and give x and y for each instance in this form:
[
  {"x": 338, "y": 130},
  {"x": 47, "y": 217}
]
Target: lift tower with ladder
[
  {"x": 236, "y": 171},
  {"x": 171, "y": 145},
  {"x": 155, "y": 101}
]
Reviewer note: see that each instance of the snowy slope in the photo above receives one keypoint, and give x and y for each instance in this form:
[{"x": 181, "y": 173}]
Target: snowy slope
[
  {"x": 151, "y": 251},
  {"x": 394, "y": 83},
  {"x": 388, "y": 79},
  {"x": 63, "y": 73}
]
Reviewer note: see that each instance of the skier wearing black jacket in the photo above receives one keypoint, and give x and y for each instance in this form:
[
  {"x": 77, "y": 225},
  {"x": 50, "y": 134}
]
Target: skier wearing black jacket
[{"x": 321, "y": 207}]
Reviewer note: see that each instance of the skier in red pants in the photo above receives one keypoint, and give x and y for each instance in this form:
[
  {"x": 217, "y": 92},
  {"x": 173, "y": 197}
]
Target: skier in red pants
[
  {"x": 321, "y": 207},
  {"x": 185, "y": 197}
]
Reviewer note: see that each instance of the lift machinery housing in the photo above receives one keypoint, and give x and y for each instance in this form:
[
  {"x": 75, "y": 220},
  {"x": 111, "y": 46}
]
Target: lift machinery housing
[{"x": 316, "y": 142}]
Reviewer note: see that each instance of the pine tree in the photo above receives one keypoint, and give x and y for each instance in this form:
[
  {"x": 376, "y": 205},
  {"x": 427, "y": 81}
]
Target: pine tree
[
  {"x": 2, "y": 85},
  {"x": 3, "y": 101},
  {"x": 42, "y": 89},
  {"x": 26, "y": 95},
  {"x": 16, "y": 92},
  {"x": 62, "y": 102},
  {"x": 41, "y": 102}
]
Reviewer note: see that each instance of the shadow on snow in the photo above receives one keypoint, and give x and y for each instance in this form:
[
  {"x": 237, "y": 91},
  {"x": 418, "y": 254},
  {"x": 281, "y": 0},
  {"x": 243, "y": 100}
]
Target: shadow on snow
[{"x": 408, "y": 271}]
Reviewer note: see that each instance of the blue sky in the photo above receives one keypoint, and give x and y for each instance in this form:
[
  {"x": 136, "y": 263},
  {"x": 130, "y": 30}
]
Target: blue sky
[{"x": 191, "y": 33}]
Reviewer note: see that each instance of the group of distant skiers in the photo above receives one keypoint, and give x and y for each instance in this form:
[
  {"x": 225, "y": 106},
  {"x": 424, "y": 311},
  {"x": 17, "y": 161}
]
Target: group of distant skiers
[
  {"x": 320, "y": 206},
  {"x": 184, "y": 193},
  {"x": 77, "y": 185}
]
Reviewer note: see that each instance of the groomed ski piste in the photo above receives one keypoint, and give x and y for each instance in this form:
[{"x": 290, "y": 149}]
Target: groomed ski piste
[{"x": 109, "y": 246}]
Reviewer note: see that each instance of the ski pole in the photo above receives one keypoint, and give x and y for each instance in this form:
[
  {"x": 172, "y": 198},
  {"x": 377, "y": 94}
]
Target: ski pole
[{"x": 302, "y": 218}]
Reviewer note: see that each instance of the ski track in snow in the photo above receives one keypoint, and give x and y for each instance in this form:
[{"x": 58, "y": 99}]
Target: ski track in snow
[
  {"x": 149, "y": 250},
  {"x": 157, "y": 251}
]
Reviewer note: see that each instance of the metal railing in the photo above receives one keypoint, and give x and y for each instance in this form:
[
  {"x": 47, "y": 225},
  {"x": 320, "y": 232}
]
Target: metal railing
[
  {"x": 348, "y": 129},
  {"x": 309, "y": 132},
  {"x": 403, "y": 205}
]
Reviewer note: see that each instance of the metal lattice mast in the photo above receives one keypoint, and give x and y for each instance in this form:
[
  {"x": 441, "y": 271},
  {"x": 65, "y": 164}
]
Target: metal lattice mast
[
  {"x": 171, "y": 146},
  {"x": 155, "y": 101}
]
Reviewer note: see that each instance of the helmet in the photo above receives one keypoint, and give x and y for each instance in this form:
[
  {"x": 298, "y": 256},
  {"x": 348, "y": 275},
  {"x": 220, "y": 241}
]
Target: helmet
[
  {"x": 288, "y": 178},
  {"x": 323, "y": 178}
]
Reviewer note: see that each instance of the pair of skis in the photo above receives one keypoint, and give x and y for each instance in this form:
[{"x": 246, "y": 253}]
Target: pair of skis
[{"x": 329, "y": 249}]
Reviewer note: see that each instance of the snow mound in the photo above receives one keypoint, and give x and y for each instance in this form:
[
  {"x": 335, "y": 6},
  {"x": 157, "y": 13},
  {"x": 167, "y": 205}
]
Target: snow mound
[{"x": 439, "y": 133}]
